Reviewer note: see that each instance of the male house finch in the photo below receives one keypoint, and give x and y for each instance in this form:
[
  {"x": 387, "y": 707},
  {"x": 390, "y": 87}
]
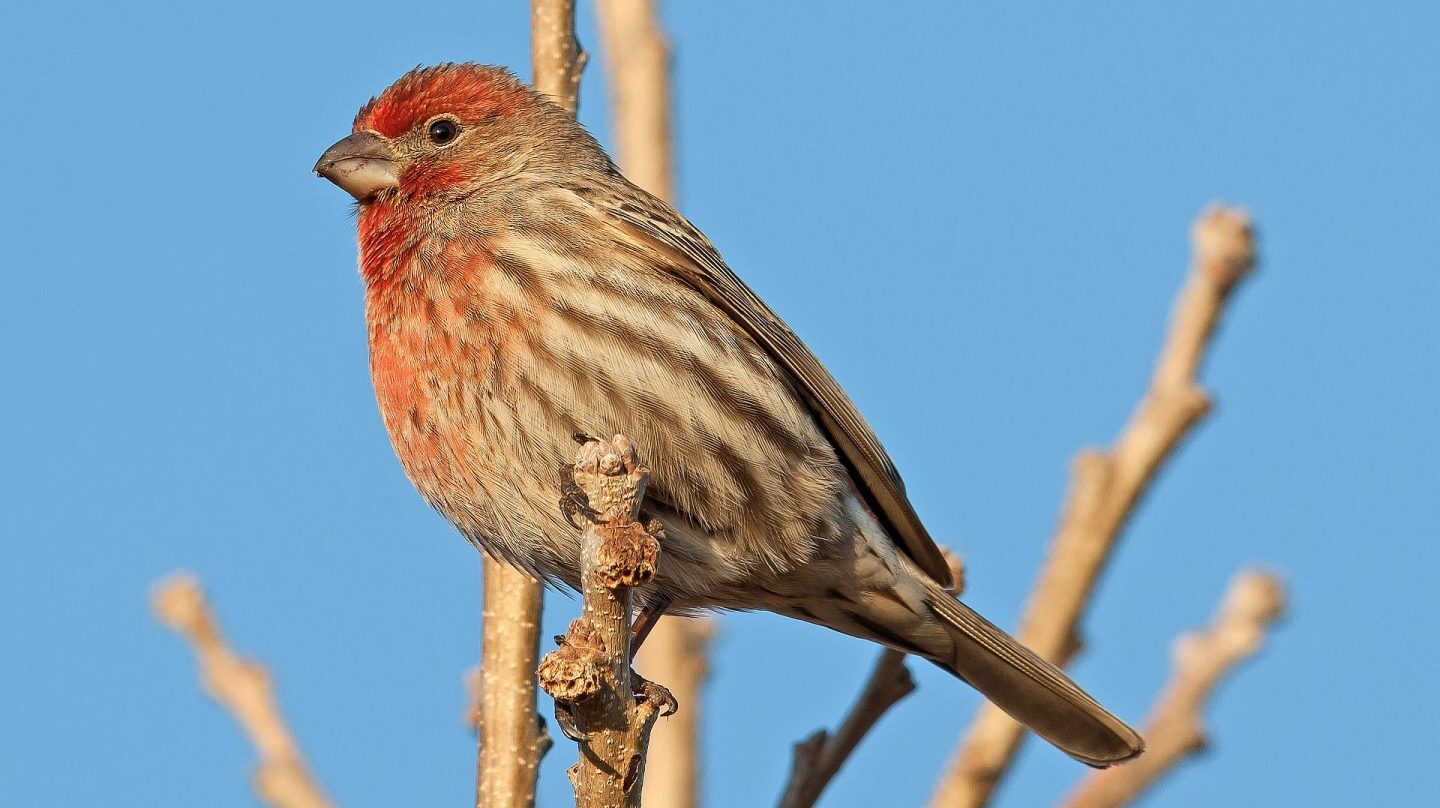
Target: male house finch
[{"x": 519, "y": 291}]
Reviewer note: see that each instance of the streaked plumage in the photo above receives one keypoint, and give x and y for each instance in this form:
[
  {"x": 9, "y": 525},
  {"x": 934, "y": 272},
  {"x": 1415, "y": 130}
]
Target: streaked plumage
[{"x": 519, "y": 290}]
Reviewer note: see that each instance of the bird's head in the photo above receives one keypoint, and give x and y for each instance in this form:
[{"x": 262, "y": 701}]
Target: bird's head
[{"x": 446, "y": 131}]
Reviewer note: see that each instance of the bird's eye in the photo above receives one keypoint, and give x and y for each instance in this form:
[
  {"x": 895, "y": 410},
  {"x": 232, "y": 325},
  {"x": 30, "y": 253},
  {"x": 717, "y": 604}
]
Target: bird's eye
[{"x": 443, "y": 131}]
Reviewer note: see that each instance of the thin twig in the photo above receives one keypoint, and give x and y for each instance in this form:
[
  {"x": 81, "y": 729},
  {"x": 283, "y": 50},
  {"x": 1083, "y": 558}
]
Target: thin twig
[
  {"x": 243, "y": 688},
  {"x": 637, "y": 58},
  {"x": 818, "y": 758},
  {"x": 511, "y": 738},
  {"x": 1176, "y": 729},
  {"x": 1104, "y": 491}
]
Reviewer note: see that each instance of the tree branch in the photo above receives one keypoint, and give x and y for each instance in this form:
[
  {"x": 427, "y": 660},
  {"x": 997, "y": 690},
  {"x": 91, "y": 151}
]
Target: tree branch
[
  {"x": 1104, "y": 491},
  {"x": 589, "y": 674},
  {"x": 243, "y": 688},
  {"x": 819, "y": 757},
  {"x": 511, "y": 737},
  {"x": 1176, "y": 729},
  {"x": 556, "y": 57},
  {"x": 676, "y": 653}
]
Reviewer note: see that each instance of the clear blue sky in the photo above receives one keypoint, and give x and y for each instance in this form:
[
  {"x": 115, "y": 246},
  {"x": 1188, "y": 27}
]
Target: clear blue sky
[{"x": 977, "y": 216}]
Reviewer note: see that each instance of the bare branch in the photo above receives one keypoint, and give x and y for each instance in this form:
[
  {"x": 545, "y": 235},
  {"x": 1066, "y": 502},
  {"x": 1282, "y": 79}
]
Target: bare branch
[
  {"x": 819, "y": 757},
  {"x": 638, "y": 60},
  {"x": 1104, "y": 491},
  {"x": 555, "y": 54},
  {"x": 511, "y": 737},
  {"x": 589, "y": 674},
  {"x": 242, "y": 687},
  {"x": 1176, "y": 728}
]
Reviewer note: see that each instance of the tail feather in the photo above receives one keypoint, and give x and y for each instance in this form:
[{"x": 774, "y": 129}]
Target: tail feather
[{"x": 1031, "y": 690}]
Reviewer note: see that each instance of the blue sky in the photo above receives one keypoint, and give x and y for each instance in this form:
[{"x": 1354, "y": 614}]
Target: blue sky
[{"x": 975, "y": 215}]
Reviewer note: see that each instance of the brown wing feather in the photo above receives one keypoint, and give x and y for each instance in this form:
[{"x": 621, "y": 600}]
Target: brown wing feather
[{"x": 695, "y": 261}]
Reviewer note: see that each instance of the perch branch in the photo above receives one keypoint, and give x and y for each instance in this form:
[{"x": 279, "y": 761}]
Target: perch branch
[
  {"x": 243, "y": 688},
  {"x": 1104, "y": 491},
  {"x": 511, "y": 737},
  {"x": 638, "y": 60},
  {"x": 589, "y": 675},
  {"x": 1176, "y": 729}
]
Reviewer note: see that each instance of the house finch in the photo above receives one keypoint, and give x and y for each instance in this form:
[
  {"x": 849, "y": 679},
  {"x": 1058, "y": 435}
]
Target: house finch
[{"x": 520, "y": 291}]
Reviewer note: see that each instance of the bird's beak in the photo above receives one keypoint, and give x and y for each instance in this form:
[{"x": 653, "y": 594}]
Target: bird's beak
[{"x": 361, "y": 164}]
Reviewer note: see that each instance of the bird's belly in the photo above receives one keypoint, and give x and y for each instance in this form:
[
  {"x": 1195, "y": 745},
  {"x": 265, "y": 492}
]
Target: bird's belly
[{"x": 746, "y": 484}]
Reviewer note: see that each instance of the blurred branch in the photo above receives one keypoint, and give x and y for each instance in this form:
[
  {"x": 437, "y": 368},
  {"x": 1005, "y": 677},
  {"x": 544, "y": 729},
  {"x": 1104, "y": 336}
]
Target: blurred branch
[
  {"x": 1176, "y": 729},
  {"x": 601, "y": 705},
  {"x": 638, "y": 60},
  {"x": 1104, "y": 491},
  {"x": 511, "y": 737},
  {"x": 512, "y": 740},
  {"x": 243, "y": 688}
]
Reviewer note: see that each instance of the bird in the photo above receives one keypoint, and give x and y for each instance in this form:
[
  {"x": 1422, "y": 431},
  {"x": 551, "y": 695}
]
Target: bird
[{"x": 519, "y": 290}]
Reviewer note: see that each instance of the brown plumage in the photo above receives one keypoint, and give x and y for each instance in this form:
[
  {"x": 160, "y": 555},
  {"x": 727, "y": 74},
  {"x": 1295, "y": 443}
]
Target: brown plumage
[{"x": 519, "y": 290}]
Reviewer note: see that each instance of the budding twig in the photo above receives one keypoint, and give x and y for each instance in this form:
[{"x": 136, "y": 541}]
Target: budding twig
[
  {"x": 1105, "y": 488},
  {"x": 242, "y": 687},
  {"x": 1176, "y": 728},
  {"x": 589, "y": 674}
]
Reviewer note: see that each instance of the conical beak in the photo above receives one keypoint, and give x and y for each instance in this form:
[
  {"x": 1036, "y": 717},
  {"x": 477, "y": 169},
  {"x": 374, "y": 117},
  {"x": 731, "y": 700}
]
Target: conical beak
[{"x": 362, "y": 164}]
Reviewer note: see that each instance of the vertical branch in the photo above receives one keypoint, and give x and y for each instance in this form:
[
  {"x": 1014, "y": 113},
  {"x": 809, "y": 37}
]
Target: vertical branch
[
  {"x": 556, "y": 57},
  {"x": 589, "y": 674},
  {"x": 638, "y": 60},
  {"x": 511, "y": 738},
  {"x": 1105, "y": 488},
  {"x": 511, "y": 741},
  {"x": 241, "y": 686},
  {"x": 1176, "y": 728}
]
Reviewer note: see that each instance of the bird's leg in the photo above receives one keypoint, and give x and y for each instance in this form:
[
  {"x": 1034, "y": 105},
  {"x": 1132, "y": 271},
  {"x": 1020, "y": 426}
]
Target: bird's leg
[{"x": 649, "y": 614}]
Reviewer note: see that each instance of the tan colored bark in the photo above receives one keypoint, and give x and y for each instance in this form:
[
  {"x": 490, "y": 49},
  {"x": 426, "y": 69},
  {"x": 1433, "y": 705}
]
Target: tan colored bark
[
  {"x": 1104, "y": 491},
  {"x": 511, "y": 739},
  {"x": 676, "y": 653},
  {"x": 1176, "y": 728},
  {"x": 242, "y": 687},
  {"x": 555, "y": 54},
  {"x": 610, "y": 710}
]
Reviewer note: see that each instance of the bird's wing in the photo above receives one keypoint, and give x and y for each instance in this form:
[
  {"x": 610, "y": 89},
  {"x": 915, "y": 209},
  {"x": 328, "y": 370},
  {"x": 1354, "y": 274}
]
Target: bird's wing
[{"x": 694, "y": 261}]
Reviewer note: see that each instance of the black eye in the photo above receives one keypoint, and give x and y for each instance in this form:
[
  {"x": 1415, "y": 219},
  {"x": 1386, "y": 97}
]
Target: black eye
[{"x": 443, "y": 131}]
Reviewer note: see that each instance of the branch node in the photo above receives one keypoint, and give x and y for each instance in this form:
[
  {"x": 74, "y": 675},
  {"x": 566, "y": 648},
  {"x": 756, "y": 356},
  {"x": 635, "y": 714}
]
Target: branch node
[{"x": 575, "y": 671}]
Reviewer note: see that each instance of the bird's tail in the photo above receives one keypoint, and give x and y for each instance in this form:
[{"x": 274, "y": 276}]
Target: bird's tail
[{"x": 1031, "y": 690}]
